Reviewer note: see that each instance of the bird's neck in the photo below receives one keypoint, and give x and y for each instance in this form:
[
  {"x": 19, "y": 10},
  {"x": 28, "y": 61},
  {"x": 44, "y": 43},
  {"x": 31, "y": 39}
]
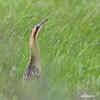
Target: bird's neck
[{"x": 35, "y": 51}]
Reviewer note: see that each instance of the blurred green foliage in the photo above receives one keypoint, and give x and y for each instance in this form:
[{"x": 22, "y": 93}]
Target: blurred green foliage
[{"x": 69, "y": 44}]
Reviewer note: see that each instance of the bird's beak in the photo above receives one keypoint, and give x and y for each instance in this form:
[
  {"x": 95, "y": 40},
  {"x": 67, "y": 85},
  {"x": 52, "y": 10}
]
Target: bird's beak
[{"x": 41, "y": 23}]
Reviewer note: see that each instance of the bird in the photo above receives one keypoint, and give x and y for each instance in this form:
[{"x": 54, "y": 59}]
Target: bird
[{"x": 34, "y": 67}]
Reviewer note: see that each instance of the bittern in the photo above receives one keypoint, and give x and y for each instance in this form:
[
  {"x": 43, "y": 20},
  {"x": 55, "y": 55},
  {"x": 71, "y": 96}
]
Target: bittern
[{"x": 34, "y": 68}]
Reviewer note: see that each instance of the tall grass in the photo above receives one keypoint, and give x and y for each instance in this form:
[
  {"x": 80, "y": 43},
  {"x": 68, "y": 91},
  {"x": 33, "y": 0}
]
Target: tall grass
[{"x": 69, "y": 44}]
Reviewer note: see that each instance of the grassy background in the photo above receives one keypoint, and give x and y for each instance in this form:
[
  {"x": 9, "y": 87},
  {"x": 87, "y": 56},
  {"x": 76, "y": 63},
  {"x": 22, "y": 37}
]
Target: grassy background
[{"x": 69, "y": 44}]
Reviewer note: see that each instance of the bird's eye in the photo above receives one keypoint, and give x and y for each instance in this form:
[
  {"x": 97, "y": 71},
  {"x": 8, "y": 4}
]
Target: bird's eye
[{"x": 37, "y": 27}]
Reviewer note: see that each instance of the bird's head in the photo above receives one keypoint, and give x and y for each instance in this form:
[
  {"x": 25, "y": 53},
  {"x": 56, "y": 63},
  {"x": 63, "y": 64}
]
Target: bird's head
[{"x": 37, "y": 28}]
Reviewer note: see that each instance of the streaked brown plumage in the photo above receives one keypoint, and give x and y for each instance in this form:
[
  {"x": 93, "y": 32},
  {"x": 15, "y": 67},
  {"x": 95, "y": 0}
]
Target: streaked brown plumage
[{"x": 34, "y": 68}]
